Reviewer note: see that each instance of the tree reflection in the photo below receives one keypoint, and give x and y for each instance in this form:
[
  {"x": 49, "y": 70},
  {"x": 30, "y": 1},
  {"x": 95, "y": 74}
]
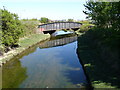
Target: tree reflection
[{"x": 13, "y": 74}]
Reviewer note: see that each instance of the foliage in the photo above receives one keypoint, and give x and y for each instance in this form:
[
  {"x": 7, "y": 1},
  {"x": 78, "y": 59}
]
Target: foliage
[
  {"x": 99, "y": 51},
  {"x": 85, "y": 27},
  {"x": 29, "y": 27},
  {"x": 26, "y": 43},
  {"x": 70, "y": 20},
  {"x": 11, "y": 28},
  {"x": 106, "y": 17},
  {"x": 44, "y": 20},
  {"x": 85, "y": 21},
  {"x": 99, "y": 46},
  {"x": 104, "y": 14},
  {"x": 33, "y": 19}
]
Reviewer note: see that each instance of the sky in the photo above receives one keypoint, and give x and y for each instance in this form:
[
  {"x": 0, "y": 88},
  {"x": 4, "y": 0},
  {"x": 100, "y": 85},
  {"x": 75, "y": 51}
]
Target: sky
[{"x": 52, "y": 9}]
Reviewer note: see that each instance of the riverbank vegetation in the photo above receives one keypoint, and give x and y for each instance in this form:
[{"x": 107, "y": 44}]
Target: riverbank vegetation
[
  {"x": 12, "y": 29},
  {"x": 99, "y": 47},
  {"x": 29, "y": 26},
  {"x": 17, "y": 35},
  {"x": 86, "y": 25},
  {"x": 25, "y": 43}
]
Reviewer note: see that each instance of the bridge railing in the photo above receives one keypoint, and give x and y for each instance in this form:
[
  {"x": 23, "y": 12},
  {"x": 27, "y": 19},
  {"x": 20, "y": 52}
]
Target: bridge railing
[{"x": 59, "y": 25}]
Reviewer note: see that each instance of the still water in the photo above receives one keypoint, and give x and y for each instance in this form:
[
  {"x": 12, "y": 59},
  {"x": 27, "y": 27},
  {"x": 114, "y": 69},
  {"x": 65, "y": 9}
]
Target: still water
[{"x": 51, "y": 64}]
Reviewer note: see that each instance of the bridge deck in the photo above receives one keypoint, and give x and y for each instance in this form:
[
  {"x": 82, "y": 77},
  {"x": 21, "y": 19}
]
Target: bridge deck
[{"x": 59, "y": 25}]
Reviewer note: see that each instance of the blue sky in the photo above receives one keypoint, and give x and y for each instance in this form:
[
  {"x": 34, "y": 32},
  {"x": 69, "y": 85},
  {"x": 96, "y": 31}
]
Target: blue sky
[{"x": 52, "y": 9}]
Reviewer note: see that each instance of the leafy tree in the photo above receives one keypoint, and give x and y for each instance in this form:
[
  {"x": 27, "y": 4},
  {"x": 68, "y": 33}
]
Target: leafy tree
[
  {"x": 104, "y": 14},
  {"x": 70, "y": 20},
  {"x": 11, "y": 28},
  {"x": 44, "y": 20}
]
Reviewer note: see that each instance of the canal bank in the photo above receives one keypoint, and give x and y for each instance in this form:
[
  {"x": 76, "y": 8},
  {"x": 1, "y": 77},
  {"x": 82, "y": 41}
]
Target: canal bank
[
  {"x": 25, "y": 43},
  {"x": 101, "y": 63}
]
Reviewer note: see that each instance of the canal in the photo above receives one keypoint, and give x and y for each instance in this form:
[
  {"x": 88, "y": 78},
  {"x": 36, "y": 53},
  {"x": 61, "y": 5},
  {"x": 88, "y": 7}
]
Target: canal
[{"x": 51, "y": 64}]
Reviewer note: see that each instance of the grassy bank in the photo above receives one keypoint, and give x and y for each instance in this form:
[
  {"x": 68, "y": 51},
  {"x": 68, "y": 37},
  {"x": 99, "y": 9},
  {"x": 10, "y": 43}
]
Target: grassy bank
[
  {"x": 99, "y": 53},
  {"x": 24, "y": 43}
]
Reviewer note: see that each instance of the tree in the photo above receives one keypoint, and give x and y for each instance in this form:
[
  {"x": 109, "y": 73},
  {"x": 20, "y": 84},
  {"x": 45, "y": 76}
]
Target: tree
[
  {"x": 44, "y": 20},
  {"x": 11, "y": 28},
  {"x": 70, "y": 20},
  {"x": 104, "y": 14}
]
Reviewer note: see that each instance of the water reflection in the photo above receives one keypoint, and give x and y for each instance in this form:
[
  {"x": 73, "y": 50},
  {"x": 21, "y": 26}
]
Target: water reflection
[
  {"x": 58, "y": 42},
  {"x": 62, "y": 32},
  {"x": 13, "y": 74},
  {"x": 55, "y": 67}
]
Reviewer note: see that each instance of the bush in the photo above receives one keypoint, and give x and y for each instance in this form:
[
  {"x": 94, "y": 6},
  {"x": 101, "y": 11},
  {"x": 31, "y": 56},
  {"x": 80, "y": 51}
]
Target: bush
[
  {"x": 11, "y": 28},
  {"x": 85, "y": 27},
  {"x": 29, "y": 27}
]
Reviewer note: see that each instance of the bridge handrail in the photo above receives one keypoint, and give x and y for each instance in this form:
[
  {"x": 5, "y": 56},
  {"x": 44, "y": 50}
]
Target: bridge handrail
[{"x": 57, "y": 22}]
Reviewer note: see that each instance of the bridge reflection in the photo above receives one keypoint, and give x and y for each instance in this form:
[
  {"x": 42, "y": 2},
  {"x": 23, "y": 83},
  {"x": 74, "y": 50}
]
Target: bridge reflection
[{"x": 58, "y": 42}]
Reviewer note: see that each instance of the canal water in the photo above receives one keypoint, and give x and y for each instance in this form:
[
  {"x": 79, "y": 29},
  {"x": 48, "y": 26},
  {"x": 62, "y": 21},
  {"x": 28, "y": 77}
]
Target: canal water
[{"x": 50, "y": 64}]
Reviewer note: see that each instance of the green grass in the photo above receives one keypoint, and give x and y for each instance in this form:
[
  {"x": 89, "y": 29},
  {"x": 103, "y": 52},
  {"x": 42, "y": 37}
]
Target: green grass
[
  {"x": 98, "y": 84},
  {"x": 32, "y": 40},
  {"x": 25, "y": 44}
]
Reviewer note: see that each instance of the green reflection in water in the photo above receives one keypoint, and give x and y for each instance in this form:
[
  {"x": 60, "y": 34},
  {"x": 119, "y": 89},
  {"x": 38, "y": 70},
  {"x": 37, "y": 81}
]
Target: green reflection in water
[{"x": 13, "y": 74}]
